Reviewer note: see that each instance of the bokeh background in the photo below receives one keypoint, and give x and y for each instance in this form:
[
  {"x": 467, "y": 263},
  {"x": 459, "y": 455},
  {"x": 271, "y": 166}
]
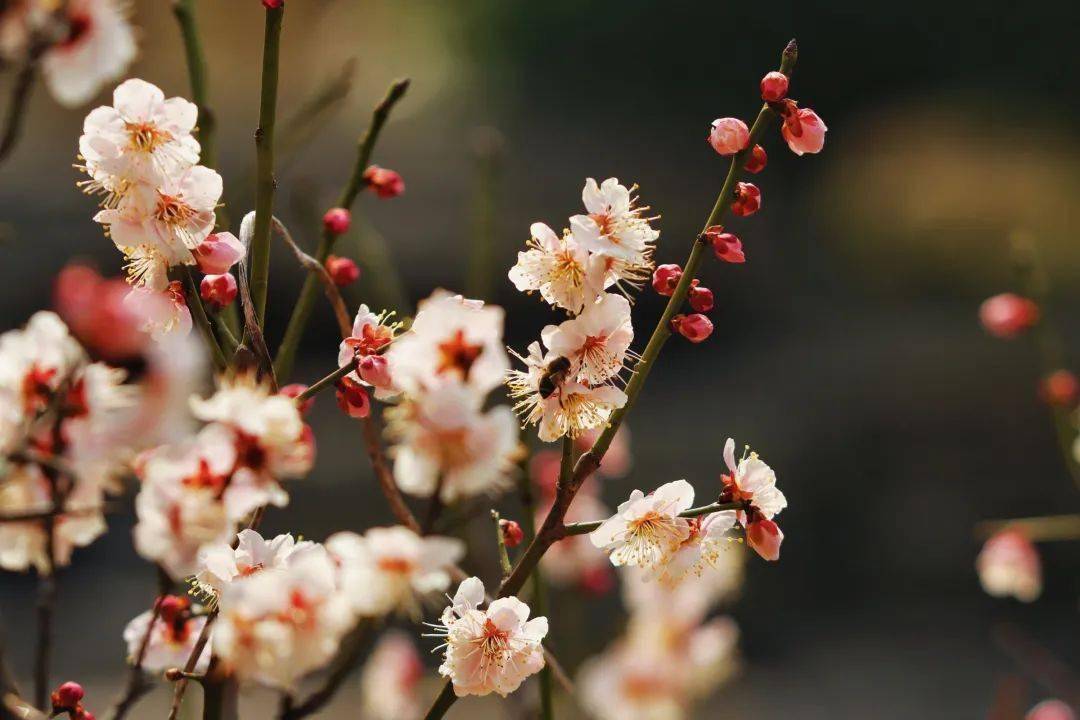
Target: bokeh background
[{"x": 847, "y": 349}]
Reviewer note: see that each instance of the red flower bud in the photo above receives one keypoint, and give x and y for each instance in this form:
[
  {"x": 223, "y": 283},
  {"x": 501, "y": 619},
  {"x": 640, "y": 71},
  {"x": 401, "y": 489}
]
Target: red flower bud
[
  {"x": 67, "y": 697},
  {"x": 774, "y": 86},
  {"x": 747, "y": 199},
  {"x": 273, "y": 4},
  {"x": 726, "y": 246},
  {"x": 386, "y": 183},
  {"x": 757, "y": 160},
  {"x": 294, "y": 390},
  {"x": 1052, "y": 709},
  {"x": 172, "y": 606},
  {"x": 218, "y": 252},
  {"x": 1008, "y": 315},
  {"x": 728, "y": 135},
  {"x": 218, "y": 290},
  {"x": 511, "y": 532},
  {"x": 375, "y": 370},
  {"x": 337, "y": 220},
  {"x": 597, "y": 580},
  {"x": 764, "y": 536},
  {"x": 701, "y": 298},
  {"x": 695, "y": 327},
  {"x": 665, "y": 278},
  {"x": 343, "y": 271},
  {"x": 353, "y": 398},
  {"x": 1060, "y": 389}
]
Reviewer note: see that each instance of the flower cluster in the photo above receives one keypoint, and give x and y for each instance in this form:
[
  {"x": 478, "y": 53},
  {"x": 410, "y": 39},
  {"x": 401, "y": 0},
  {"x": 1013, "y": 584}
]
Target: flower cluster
[
  {"x": 195, "y": 492},
  {"x": 570, "y": 384},
  {"x": 489, "y": 650},
  {"x": 158, "y": 203},
  {"x": 89, "y": 43},
  {"x": 445, "y": 366},
  {"x": 67, "y": 429}
]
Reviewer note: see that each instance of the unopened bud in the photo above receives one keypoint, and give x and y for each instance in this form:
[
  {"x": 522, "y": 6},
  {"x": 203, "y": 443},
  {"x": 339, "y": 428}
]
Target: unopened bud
[
  {"x": 747, "y": 199},
  {"x": 764, "y": 536},
  {"x": 694, "y": 327},
  {"x": 726, "y": 246},
  {"x": 343, "y": 271},
  {"x": 1008, "y": 315},
  {"x": 665, "y": 278},
  {"x": 218, "y": 290},
  {"x": 757, "y": 160},
  {"x": 337, "y": 220},
  {"x": 374, "y": 370},
  {"x": 1060, "y": 389},
  {"x": 701, "y": 298},
  {"x": 295, "y": 390},
  {"x": 67, "y": 697},
  {"x": 273, "y": 4},
  {"x": 218, "y": 252},
  {"x": 774, "y": 87},
  {"x": 511, "y": 532},
  {"x": 728, "y": 135},
  {"x": 385, "y": 182},
  {"x": 353, "y": 398}
]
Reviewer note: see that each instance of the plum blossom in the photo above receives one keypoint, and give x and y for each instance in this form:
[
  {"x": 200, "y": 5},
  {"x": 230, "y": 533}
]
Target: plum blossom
[
  {"x": 452, "y": 339},
  {"x": 709, "y": 541},
  {"x": 275, "y": 626},
  {"x": 490, "y": 650},
  {"x": 1009, "y": 565},
  {"x": 1052, "y": 709},
  {"x": 170, "y": 644},
  {"x": 754, "y": 482},
  {"x": 26, "y": 490},
  {"x": 173, "y": 217},
  {"x": 615, "y": 225},
  {"x": 164, "y": 313},
  {"x": 803, "y": 130},
  {"x": 388, "y": 682},
  {"x": 564, "y": 273},
  {"x": 392, "y": 569},
  {"x": 142, "y": 138},
  {"x": 647, "y": 529},
  {"x": 221, "y": 564},
  {"x": 446, "y": 440},
  {"x": 596, "y": 341},
  {"x": 371, "y": 336},
  {"x": 570, "y": 409}
]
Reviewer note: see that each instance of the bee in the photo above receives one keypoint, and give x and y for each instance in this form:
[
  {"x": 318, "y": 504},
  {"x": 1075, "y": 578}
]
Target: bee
[{"x": 554, "y": 375}]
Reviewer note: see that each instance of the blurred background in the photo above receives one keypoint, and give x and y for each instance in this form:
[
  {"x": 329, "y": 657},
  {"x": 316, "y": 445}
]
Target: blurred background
[{"x": 847, "y": 351}]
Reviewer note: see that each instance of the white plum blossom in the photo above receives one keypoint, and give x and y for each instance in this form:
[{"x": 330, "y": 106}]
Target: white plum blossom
[
  {"x": 142, "y": 138},
  {"x": 277, "y": 625},
  {"x": 173, "y": 217},
  {"x": 446, "y": 441},
  {"x": 646, "y": 530},
  {"x": 570, "y": 409},
  {"x": 1009, "y": 566},
  {"x": 99, "y": 46},
  {"x": 220, "y": 564},
  {"x": 452, "y": 339},
  {"x": 752, "y": 480},
  {"x": 25, "y": 490},
  {"x": 564, "y": 272},
  {"x": 615, "y": 225},
  {"x": 171, "y": 642},
  {"x": 490, "y": 650},
  {"x": 371, "y": 336},
  {"x": 596, "y": 341},
  {"x": 388, "y": 682},
  {"x": 392, "y": 569},
  {"x": 709, "y": 541}
]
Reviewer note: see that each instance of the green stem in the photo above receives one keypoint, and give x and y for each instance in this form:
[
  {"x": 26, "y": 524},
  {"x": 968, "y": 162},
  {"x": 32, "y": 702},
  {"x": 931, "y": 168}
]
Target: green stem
[
  {"x": 264, "y": 162},
  {"x": 554, "y": 528},
  {"x": 326, "y": 382},
  {"x": 286, "y": 354},
  {"x": 199, "y": 317}
]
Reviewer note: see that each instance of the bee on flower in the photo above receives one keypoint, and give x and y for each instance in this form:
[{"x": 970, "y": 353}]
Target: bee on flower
[
  {"x": 392, "y": 569},
  {"x": 597, "y": 341},
  {"x": 548, "y": 397},
  {"x": 489, "y": 650}
]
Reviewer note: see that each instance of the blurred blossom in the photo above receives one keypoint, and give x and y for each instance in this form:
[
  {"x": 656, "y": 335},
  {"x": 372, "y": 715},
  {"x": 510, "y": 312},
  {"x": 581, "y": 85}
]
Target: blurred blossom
[
  {"x": 1009, "y": 565},
  {"x": 1051, "y": 710},
  {"x": 388, "y": 682}
]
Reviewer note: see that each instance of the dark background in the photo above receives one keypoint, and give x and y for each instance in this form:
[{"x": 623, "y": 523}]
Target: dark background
[{"x": 847, "y": 349}]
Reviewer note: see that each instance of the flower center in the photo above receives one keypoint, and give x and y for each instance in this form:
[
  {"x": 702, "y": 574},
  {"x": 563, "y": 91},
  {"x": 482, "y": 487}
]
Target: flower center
[
  {"x": 606, "y": 223},
  {"x": 398, "y": 565},
  {"x": 145, "y": 137},
  {"x": 204, "y": 478},
  {"x": 457, "y": 354},
  {"x": 172, "y": 210}
]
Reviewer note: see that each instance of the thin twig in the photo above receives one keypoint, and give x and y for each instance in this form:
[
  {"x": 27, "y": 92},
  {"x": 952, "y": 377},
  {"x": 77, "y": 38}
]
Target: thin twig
[
  {"x": 553, "y": 527},
  {"x": 286, "y": 354},
  {"x": 330, "y": 288},
  {"x": 137, "y": 684},
  {"x": 252, "y": 325},
  {"x": 264, "y": 150},
  {"x": 373, "y": 445},
  {"x": 202, "y": 321},
  {"x": 189, "y": 666},
  {"x": 24, "y": 84}
]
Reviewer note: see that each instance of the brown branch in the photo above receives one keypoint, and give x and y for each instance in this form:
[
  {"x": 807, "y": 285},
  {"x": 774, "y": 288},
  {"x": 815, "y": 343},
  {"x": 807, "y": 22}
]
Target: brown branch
[
  {"x": 189, "y": 666},
  {"x": 373, "y": 444},
  {"x": 341, "y": 312}
]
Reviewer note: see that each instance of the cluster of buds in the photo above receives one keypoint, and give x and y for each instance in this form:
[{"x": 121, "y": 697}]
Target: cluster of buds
[
  {"x": 67, "y": 698},
  {"x": 694, "y": 327}
]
